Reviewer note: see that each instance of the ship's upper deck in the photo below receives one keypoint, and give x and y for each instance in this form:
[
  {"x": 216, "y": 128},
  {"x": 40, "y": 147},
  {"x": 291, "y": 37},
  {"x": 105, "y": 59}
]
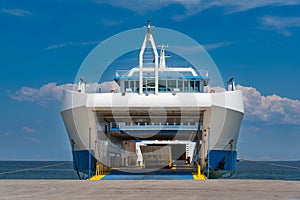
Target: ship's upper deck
[
  {"x": 169, "y": 80},
  {"x": 155, "y": 76}
]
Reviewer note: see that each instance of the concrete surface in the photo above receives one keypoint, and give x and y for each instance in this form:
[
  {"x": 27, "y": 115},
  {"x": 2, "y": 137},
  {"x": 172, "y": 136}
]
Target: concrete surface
[{"x": 149, "y": 189}]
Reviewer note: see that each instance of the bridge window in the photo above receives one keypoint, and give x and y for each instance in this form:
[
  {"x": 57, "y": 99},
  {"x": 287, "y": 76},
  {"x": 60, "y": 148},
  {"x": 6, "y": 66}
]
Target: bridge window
[
  {"x": 192, "y": 86},
  {"x": 180, "y": 85},
  {"x": 136, "y": 86},
  {"x": 171, "y": 84},
  {"x": 186, "y": 86},
  {"x": 132, "y": 84},
  {"x": 162, "y": 85},
  {"x": 197, "y": 86},
  {"x": 126, "y": 84}
]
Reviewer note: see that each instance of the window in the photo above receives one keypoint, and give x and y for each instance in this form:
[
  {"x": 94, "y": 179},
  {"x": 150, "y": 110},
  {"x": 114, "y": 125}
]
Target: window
[
  {"x": 131, "y": 85},
  {"x": 180, "y": 85},
  {"x": 186, "y": 86},
  {"x": 136, "y": 86},
  {"x": 162, "y": 85},
  {"x": 192, "y": 86},
  {"x": 126, "y": 84},
  {"x": 171, "y": 84},
  {"x": 197, "y": 86}
]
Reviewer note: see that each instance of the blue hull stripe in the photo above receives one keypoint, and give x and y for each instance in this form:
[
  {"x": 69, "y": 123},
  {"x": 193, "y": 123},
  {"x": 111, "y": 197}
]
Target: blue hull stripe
[
  {"x": 81, "y": 160},
  {"x": 222, "y": 160}
]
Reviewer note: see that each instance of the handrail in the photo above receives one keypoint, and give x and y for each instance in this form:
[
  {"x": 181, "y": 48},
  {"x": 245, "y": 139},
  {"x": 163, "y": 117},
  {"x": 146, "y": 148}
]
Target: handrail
[
  {"x": 124, "y": 126},
  {"x": 179, "y": 73}
]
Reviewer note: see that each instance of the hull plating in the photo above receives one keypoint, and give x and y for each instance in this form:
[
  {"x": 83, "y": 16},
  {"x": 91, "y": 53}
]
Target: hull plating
[{"x": 223, "y": 114}]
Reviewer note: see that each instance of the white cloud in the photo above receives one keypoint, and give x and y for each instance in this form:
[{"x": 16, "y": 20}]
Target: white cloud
[
  {"x": 238, "y": 6},
  {"x": 191, "y": 49},
  {"x": 47, "y": 93},
  {"x": 192, "y": 7},
  {"x": 272, "y": 109},
  {"x": 33, "y": 139},
  {"x": 217, "y": 45},
  {"x": 60, "y": 45},
  {"x": 280, "y": 24},
  {"x": 7, "y": 133},
  {"x": 70, "y": 43},
  {"x": 139, "y": 6},
  {"x": 254, "y": 128},
  {"x": 107, "y": 86},
  {"x": 28, "y": 129},
  {"x": 51, "y": 92},
  {"x": 110, "y": 22},
  {"x": 16, "y": 12}
]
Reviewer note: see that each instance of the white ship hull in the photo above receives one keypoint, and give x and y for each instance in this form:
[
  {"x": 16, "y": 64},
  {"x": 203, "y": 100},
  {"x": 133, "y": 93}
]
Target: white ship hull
[{"x": 222, "y": 116}]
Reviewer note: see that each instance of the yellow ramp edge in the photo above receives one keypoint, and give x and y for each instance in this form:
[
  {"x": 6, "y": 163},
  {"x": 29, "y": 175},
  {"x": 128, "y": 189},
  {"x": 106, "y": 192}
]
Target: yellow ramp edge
[
  {"x": 201, "y": 177},
  {"x": 198, "y": 175},
  {"x": 98, "y": 177},
  {"x": 100, "y": 173}
]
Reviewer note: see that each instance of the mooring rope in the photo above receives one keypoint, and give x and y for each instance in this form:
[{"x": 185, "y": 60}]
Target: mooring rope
[
  {"x": 273, "y": 164},
  {"x": 34, "y": 168}
]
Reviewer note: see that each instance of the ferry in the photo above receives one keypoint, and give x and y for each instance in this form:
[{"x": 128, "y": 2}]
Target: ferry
[{"x": 160, "y": 116}]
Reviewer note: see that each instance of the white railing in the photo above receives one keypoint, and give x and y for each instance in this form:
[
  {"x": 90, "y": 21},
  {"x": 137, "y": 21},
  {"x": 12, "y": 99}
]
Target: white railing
[
  {"x": 176, "y": 73},
  {"x": 153, "y": 126}
]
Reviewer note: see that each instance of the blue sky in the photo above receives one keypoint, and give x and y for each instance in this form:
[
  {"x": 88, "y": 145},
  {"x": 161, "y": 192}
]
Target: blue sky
[{"x": 43, "y": 43}]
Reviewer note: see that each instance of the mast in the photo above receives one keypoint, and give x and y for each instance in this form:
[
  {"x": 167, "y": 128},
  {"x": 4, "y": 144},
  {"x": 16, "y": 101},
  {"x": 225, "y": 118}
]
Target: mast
[
  {"x": 148, "y": 38},
  {"x": 162, "y": 61}
]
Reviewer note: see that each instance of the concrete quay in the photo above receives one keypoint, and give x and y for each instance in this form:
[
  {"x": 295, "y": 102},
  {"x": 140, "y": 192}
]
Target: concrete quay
[{"x": 149, "y": 189}]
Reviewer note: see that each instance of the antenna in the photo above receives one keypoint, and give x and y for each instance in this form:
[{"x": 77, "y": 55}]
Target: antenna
[
  {"x": 148, "y": 26},
  {"x": 162, "y": 56}
]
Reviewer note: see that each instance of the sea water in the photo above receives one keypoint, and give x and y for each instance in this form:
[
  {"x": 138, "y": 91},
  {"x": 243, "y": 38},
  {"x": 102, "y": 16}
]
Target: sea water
[
  {"x": 279, "y": 170},
  {"x": 275, "y": 170},
  {"x": 33, "y": 170}
]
